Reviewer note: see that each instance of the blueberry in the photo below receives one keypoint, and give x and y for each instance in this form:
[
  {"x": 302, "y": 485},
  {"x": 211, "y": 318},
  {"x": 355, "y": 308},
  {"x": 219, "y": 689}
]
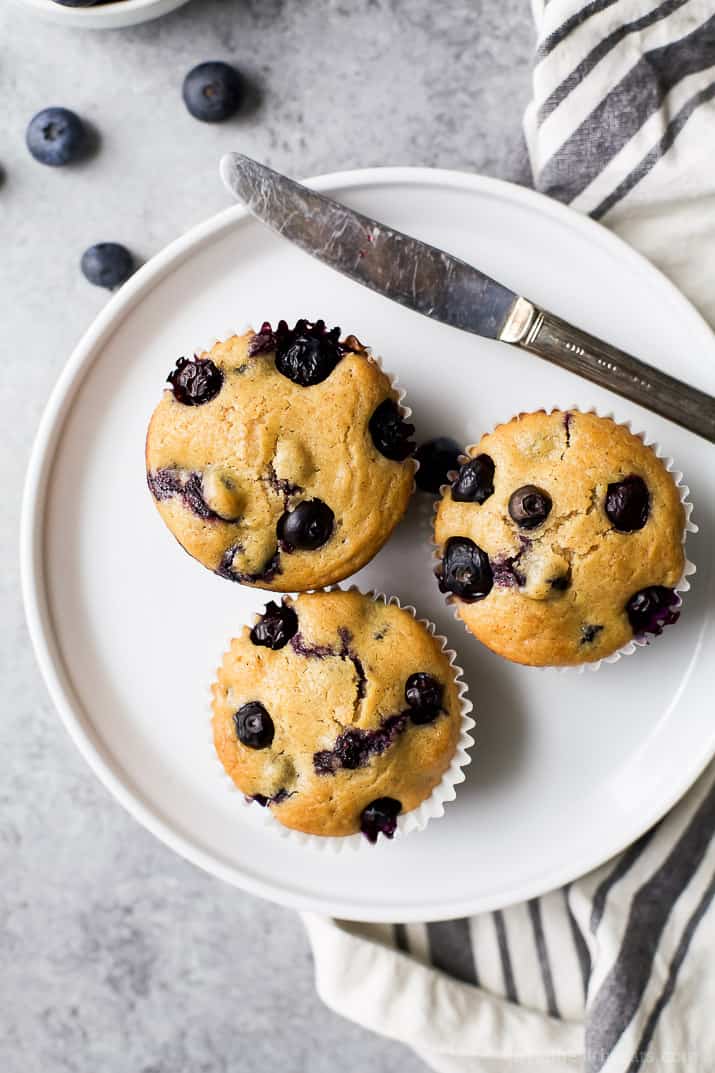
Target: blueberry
[
  {"x": 436, "y": 458},
  {"x": 307, "y": 527},
  {"x": 380, "y": 817},
  {"x": 390, "y": 432},
  {"x": 649, "y": 610},
  {"x": 56, "y": 136},
  {"x": 254, "y": 726},
  {"x": 423, "y": 693},
  {"x": 108, "y": 264},
  {"x": 465, "y": 570},
  {"x": 589, "y": 633},
  {"x": 195, "y": 382},
  {"x": 307, "y": 353},
  {"x": 212, "y": 91},
  {"x": 475, "y": 481},
  {"x": 275, "y": 627},
  {"x": 529, "y": 506},
  {"x": 628, "y": 504}
]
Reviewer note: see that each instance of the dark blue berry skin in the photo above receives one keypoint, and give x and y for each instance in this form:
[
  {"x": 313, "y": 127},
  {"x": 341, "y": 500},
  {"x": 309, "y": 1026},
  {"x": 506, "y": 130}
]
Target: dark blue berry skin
[
  {"x": 307, "y": 527},
  {"x": 276, "y": 626},
  {"x": 380, "y": 818},
  {"x": 529, "y": 506},
  {"x": 212, "y": 91},
  {"x": 56, "y": 137},
  {"x": 475, "y": 481},
  {"x": 465, "y": 571},
  {"x": 649, "y": 610},
  {"x": 628, "y": 504},
  {"x": 390, "y": 432},
  {"x": 254, "y": 726},
  {"x": 108, "y": 264},
  {"x": 424, "y": 695},
  {"x": 437, "y": 458},
  {"x": 195, "y": 382}
]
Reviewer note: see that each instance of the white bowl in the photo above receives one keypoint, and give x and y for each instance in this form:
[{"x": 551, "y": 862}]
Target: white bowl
[{"x": 101, "y": 16}]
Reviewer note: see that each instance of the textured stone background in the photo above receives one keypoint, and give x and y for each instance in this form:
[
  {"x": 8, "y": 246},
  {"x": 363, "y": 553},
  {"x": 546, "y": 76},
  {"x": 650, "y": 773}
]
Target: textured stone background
[{"x": 115, "y": 955}]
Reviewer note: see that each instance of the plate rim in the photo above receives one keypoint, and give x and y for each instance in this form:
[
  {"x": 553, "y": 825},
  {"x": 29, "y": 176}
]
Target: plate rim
[
  {"x": 32, "y": 539},
  {"x": 101, "y": 16}
]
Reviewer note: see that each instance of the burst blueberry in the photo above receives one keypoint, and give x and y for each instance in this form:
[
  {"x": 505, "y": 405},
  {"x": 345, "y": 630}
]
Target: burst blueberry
[
  {"x": 390, "y": 432},
  {"x": 628, "y": 504},
  {"x": 107, "y": 264},
  {"x": 275, "y": 627},
  {"x": 437, "y": 458},
  {"x": 195, "y": 382},
  {"x": 529, "y": 506},
  {"x": 254, "y": 726},
  {"x": 212, "y": 91},
  {"x": 380, "y": 818},
  {"x": 423, "y": 694},
  {"x": 307, "y": 527},
  {"x": 307, "y": 353},
  {"x": 465, "y": 570},
  {"x": 475, "y": 481},
  {"x": 652, "y": 608},
  {"x": 56, "y": 136}
]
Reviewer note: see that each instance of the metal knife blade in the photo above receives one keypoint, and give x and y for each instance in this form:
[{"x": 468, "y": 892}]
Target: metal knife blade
[{"x": 447, "y": 289}]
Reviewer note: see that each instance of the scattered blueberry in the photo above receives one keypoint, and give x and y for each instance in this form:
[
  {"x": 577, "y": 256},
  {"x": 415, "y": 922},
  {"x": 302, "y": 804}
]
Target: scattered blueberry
[
  {"x": 307, "y": 527},
  {"x": 107, "y": 264},
  {"x": 355, "y": 746},
  {"x": 562, "y": 582},
  {"x": 588, "y": 633},
  {"x": 56, "y": 136},
  {"x": 276, "y": 626},
  {"x": 212, "y": 91},
  {"x": 529, "y": 506},
  {"x": 649, "y": 610},
  {"x": 195, "y": 382},
  {"x": 390, "y": 432},
  {"x": 424, "y": 694},
  {"x": 628, "y": 504},
  {"x": 307, "y": 353},
  {"x": 475, "y": 481},
  {"x": 465, "y": 570},
  {"x": 380, "y": 817},
  {"x": 437, "y": 458},
  {"x": 254, "y": 726}
]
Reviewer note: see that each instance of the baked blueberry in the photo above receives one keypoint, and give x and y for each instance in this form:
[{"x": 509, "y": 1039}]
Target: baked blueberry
[
  {"x": 424, "y": 695},
  {"x": 380, "y": 818},
  {"x": 195, "y": 382},
  {"x": 589, "y": 633},
  {"x": 390, "y": 432},
  {"x": 649, "y": 610},
  {"x": 628, "y": 504},
  {"x": 307, "y": 527},
  {"x": 475, "y": 481},
  {"x": 107, "y": 264},
  {"x": 437, "y": 458},
  {"x": 254, "y": 726},
  {"x": 276, "y": 626},
  {"x": 307, "y": 353},
  {"x": 56, "y": 136},
  {"x": 465, "y": 571},
  {"x": 529, "y": 506},
  {"x": 212, "y": 91}
]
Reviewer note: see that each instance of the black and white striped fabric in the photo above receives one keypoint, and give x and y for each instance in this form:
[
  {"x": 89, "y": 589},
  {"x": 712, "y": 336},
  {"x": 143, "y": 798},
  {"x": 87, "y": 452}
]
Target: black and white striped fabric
[{"x": 615, "y": 973}]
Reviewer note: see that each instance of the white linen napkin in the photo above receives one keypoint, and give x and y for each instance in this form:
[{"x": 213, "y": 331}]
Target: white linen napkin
[{"x": 616, "y": 971}]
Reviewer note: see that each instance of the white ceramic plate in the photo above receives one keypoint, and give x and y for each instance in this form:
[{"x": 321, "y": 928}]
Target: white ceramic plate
[
  {"x": 128, "y": 629},
  {"x": 101, "y": 16}
]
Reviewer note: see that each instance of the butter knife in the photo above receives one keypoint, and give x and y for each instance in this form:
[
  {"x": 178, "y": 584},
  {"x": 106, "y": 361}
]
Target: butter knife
[{"x": 438, "y": 285}]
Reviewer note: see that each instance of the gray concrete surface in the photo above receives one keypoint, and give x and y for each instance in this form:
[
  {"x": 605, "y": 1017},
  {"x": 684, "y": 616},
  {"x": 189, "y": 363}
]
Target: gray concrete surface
[{"x": 115, "y": 955}]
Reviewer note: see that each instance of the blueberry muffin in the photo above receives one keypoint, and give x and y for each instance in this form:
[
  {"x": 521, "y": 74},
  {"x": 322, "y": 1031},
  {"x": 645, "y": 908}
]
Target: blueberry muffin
[
  {"x": 338, "y": 711},
  {"x": 281, "y": 459},
  {"x": 560, "y": 539}
]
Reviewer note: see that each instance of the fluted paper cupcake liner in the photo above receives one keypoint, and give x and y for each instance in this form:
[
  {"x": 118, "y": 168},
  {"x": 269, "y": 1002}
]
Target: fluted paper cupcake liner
[
  {"x": 416, "y": 819},
  {"x": 683, "y": 585}
]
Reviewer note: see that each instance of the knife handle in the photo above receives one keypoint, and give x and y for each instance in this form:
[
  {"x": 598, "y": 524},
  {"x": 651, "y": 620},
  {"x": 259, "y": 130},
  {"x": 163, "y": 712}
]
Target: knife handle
[{"x": 547, "y": 335}]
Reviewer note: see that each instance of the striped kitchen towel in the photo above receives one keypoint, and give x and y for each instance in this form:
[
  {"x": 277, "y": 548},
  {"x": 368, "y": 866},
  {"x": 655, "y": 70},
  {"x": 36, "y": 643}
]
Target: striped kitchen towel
[{"x": 616, "y": 972}]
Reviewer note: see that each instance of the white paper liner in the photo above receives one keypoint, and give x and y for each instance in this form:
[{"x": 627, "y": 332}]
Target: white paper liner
[
  {"x": 431, "y": 808},
  {"x": 683, "y": 585}
]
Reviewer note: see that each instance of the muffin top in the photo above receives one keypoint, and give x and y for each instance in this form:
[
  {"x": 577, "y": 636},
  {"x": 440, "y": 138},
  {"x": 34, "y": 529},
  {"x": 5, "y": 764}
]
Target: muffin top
[
  {"x": 338, "y": 711},
  {"x": 280, "y": 459},
  {"x": 561, "y": 539}
]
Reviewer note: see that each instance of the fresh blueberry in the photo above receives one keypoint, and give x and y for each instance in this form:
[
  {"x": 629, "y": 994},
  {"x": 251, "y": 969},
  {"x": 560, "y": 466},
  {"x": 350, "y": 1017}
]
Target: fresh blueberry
[
  {"x": 649, "y": 610},
  {"x": 212, "y": 91},
  {"x": 465, "y": 570},
  {"x": 475, "y": 481},
  {"x": 424, "y": 694},
  {"x": 195, "y": 382},
  {"x": 56, "y": 136},
  {"x": 307, "y": 353},
  {"x": 437, "y": 458},
  {"x": 529, "y": 506},
  {"x": 307, "y": 527},
  {"x": 390, "y": 432},
  {"x": 628, "y": 504},
  {"x": 276, "y": 626},
  {"x": 108, "y": 264},
  {"x": 254, "y": 726},
  {"x": 380, "y": 817}
]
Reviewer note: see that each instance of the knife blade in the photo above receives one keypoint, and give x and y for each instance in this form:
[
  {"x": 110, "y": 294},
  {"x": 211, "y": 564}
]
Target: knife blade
[{"x": 443, "y": 287}]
